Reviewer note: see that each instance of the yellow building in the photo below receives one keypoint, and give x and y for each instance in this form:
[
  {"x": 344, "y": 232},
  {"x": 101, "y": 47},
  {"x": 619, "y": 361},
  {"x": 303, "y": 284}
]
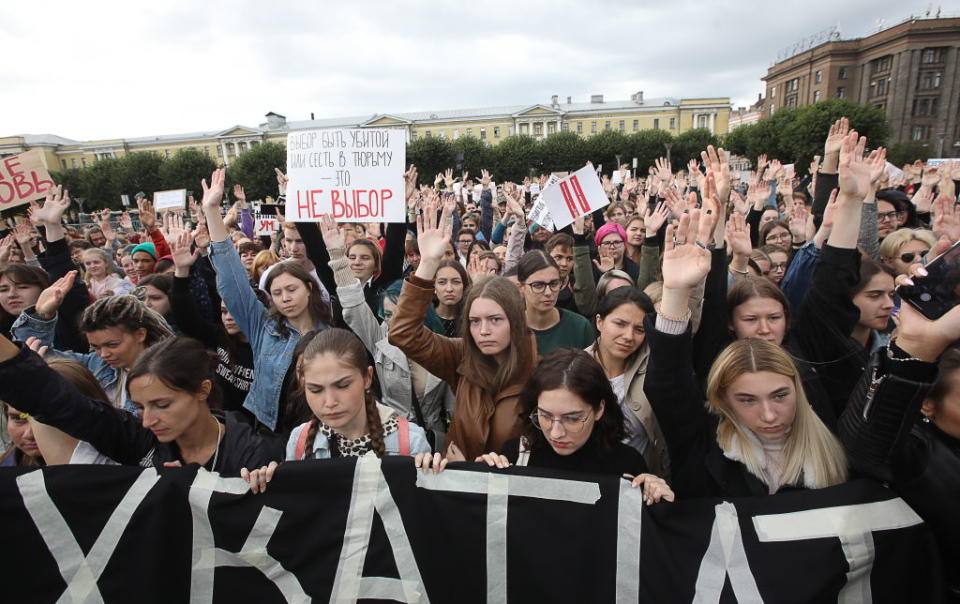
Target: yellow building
[{"x": 489, "y": 124}]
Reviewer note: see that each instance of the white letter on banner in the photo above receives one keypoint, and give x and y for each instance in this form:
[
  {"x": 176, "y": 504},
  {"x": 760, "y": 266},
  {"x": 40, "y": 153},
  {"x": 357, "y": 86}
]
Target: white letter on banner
[
  {"x": 630, "y": 521},
  {"x": 80, "y": 572},
  {"x": 853, "y": 525},
  {"x": 206, "y": 556},
  {"x": 498, "y": 488},
  {"x": 371, "y": 492},
  {"x": 725, "y": 556}
]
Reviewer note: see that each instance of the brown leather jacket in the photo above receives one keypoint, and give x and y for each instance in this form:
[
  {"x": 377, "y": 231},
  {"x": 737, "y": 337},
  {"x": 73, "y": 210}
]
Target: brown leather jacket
[{"x": 482, "y": 421}]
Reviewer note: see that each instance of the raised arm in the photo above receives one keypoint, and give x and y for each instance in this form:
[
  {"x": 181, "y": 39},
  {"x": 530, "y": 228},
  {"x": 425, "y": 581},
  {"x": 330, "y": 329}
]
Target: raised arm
[{"x": 356, "y": 312}]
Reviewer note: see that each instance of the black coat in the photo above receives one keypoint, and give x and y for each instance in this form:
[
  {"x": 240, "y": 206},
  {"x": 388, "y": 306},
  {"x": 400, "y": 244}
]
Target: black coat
[{"x": 29, "y": 385}]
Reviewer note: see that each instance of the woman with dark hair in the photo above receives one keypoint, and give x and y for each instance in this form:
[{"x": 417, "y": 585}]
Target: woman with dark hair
[
  {"x": 450, "y": 287},
  {"x": 20, "y": 286},
  {"x": 540, "y": 283},
  {"x": 487, "y": 366},
  {"x": 574, "y": 424},
  {"x": 622, "y": 352},
  {"x": 298, "y": 308},
  {"x": 23, "y": 450},
  {"x": 171, "y": 385}
]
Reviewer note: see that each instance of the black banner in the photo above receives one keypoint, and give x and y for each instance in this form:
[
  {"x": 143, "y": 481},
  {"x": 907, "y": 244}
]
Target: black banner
[{"x": 343, "y": 531}]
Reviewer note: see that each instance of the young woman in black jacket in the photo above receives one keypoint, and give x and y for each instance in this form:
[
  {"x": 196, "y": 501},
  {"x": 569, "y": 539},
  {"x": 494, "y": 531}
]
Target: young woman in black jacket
[
  {"x": 171, "y": 384},
  {"x": 760, "y": 433},
  {"x": 921, "y": 459}
]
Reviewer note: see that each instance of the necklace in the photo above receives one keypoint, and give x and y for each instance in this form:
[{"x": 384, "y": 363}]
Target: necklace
[{"x": 216, "y": 452}]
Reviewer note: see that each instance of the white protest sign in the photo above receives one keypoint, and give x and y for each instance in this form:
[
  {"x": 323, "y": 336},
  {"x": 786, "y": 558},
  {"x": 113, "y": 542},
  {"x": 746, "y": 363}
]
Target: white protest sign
[
  {"x": 539, "y": 212},
  {"x": 264, "y": 225},
  {"x": 534, "y": 188},
  {"x": 170, "y": 200},
  {"x": 125, "y": 200},
  {"x": 893, "y": 171},
  {"x": 354, "y": 175},
  {"x": 576, "y": 195},
  {"x": 936, "y": 161}
]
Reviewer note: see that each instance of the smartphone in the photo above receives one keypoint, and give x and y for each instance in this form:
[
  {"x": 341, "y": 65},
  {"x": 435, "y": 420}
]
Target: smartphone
[{"x": 938, "y": 292}]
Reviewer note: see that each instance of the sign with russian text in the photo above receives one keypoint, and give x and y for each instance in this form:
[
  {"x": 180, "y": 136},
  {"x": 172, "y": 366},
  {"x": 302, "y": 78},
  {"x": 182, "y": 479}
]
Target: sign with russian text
[
  {"x": 574, "y": 196},
  {"x": 23, "y": 178},
  {"x": 355, "y": 175},
  {"x": 539, "y": 212},
  {"x": 265, "y": 225},
  {"x": 378, "y": 529},
  {"x": 170, "y": 200}
]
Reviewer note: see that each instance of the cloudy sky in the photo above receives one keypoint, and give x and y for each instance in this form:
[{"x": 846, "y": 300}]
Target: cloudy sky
[{"x": 90, "y": 70}]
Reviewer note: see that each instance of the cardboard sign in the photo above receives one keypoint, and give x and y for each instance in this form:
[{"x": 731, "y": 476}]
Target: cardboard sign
[
  {"x": 539, "y": 212},
  {"x": 125, "y": 200},
  {"x": 574, "y": 196},
  {"x": 170, "y": 200},
  {"x": 353, "y": 175},
  {"x": 264, "y": 225},
  {"x": 23, "y": 178}
]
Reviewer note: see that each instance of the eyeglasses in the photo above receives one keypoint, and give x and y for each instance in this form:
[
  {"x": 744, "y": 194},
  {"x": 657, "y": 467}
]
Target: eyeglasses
[
  {"x": 462, "y": 241},
  {"x": 539, "y": 286},
  {"x": 778, "y": 267},
  {"x": 909, "y": 256},
  {"x": 778, "y": 237},
  {"x": 612, "y": 244},
  {"x": 885, "y": 216},
  {"x": 571, "y": 424}
]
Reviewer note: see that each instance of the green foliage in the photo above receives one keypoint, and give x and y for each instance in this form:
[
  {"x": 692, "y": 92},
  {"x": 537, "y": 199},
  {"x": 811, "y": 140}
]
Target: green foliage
[
  {"x": 186, "y": 169},
  {"x": 138, "y": 172},
  {"x": 907, "y": 153},
  {"x": 477, "y": 156},
  {"x": 100, "y": 185},
  {"x": 688, "y": 146},
  {"x": 255, "y": 170},
  {"x": 646, "y": 146},
  {"x": 563, "y": 152},
  {"x": 604, "y": 147},
  {"x": 69, "y": 178},
  {"x": 430, "y": 155},
  {"x": 517, "y": 157}
]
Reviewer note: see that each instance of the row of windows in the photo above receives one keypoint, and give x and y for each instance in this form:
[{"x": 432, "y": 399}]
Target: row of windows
[
  {"x": 233, "y": 149},
  {"x": 564, "y": 127}
]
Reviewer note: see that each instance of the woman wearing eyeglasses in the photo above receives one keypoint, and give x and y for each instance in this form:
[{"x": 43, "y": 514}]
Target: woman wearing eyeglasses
[
  {"x": 905, "y": 247},
  {"x": 779, "y": 260},
  {"x": 611, "y": 241},
  {"x": 574, "y": 424},
  {"x": 539, "y": 281}
]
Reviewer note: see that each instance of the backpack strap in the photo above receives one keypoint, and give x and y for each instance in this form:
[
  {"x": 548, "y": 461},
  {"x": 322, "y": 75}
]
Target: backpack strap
[
  {"x": 403, "y": 433},
  {"x": 301, "y": 447}
]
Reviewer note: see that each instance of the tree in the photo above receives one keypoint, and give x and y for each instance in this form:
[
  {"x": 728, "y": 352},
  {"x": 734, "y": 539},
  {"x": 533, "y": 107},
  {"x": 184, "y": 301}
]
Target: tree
[
  {"x": 646, "y": 146},
  {"x": 907, "y": 153},
  {"x": 254, "y": 170},
  {"x": 563, "y": 152},
  {"x": 476, "y": 156},
  {"x": 139, "y": 172},
  {"x": 100, "y": 185},
  {"x": 69, "y": 178},
  {"x": 186, "y": 169},
  {"x": 431, "y": 155},
  {"x": 803, "y": 135},
  {"x": 517, "y": 157},
  {"x": 604, "y": 147},
  {"x": 688, "y": 146}
]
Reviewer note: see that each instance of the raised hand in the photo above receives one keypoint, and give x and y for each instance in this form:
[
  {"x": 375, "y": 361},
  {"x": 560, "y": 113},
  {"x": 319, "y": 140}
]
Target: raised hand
[
  {"x": 23, "y": 234},
  {"x": 717, "y": 162},
  {"x": 604, "y": 261},
  {"x": 432, "y": 238},
  {"x": 183, "y": 256},
  {"x": 410, "y": 182},
  {"x": 54, "y": 206},
  {"x": 51, "y": 298},
  {"x": 686, "y": 259},
  {"x": 923, "y": 199},
  {"x": 946, "y": 220},
  {"x": 675, "y": 202},
  {"x": 239, "y": 193},
  {"x": 838, "y": 132},
  {"x": 798, "y": 223},
  {"x": 878, "y": 165},
  {"x": 484, "y": 178},
  {"x": 282, "y": 181},
  {"x": 332, "y": 237},
  {"x": 6, "y": 246},
  {"x": 663, "y": 170},
  {"x": 126, "y": 222},
  {"x": 931, "y": 176},
  {"x": 758, "y": 193},
  {"x": 831, "y": 210},
  {"x": 654, "y": 218},
  {"x": 212, "y": 193},
  {"x": 738, "y": 235},
  {"x": 762, "y": 163},
  {"x": 148, "y": 217},
  {"x": 448, "y": 179},
  {"x": 854, "y": 169},
  {"x": 201, "y": 236}
]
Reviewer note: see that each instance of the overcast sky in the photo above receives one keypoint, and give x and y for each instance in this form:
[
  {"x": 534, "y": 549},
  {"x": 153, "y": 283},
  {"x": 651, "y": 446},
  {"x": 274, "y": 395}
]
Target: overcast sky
[{"x": 93, "y": 70}]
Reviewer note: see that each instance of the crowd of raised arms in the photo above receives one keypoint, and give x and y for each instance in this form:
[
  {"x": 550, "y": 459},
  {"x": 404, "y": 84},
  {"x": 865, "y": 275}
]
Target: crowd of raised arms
[{"x": 704, "y": 334}]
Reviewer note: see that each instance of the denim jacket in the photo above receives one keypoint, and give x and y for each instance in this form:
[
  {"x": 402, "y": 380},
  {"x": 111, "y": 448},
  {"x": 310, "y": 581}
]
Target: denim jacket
[
  {"x": 28, "y": 325},
  {"x": 272, "y": 351}
]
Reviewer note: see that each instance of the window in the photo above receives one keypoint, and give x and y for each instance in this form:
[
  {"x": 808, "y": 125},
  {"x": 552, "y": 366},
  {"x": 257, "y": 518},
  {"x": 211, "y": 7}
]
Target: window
[
  {"x": 636, "y": 125},
  {"x": 456, "y": 134},
  {"x": 880, "y": 65},
  {"x": 816, "y": 96},
  {"x": 427, "y": 134},
  {"x": 441, "y": 134},
  {"x": 673, "y": 123},
  {"x": 564, "y": 127},
  {"x": 818, "y": 77},
  {"x": 469, "y": 131},
  {"x": 842, "y": 73},
  {"x": 219, "y": 151},
  {"x": 930, "y": 80},
  {"x": 773, "y": 92},
  {"x": 579, "y": 127},
  {"x": 932, "y": 55},
  {"x": 773, "y": 107},
  {"x": 413, "y": 135},
  {"x": 656, "y": 124},
  {"x": 496, "y": 132},
  {"x": 606, "y": 125},
  {"x": 701, "y": 121},
  {"x": 841, "y": 92},
  {"x": 793, "y": 85},
  {"x": 63, "y": 163},
  {"x": 483, "y": 133},
  {"x": 621, "y": 126},
  {"x": 538, "y": 129},
  {"x": 879, "y": 87},
  {"x": 928, "y": 106},
  {"x": 551, "y": 127},
  {"x": 593, "y": 127},
  {"x": 73, "y": 163},
  {"x": 791, "y": 101},
  {"x": 919, "y": 133},
  {"x": 510, "y": 130}
]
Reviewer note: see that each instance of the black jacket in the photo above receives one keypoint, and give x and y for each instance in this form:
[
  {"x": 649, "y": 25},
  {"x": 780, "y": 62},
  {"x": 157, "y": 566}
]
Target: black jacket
[
  {"x": 27, "y": 383},
  {"x": 56, "y": 261}
]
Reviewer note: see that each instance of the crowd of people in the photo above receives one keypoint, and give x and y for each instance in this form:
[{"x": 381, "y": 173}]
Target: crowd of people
[{"x": 703, "y": 334}]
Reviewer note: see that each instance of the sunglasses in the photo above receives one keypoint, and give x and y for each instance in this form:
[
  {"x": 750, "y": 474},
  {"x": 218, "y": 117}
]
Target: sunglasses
[{"x": 909, "y": 256}]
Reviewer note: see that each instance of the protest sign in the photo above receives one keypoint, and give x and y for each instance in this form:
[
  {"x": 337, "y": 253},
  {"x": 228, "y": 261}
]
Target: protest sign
[
  {"x": 369, "y": 528},
  {"x": 576, "y": 195},
  {"x": 23, "y": 178},
  {"x": 265, "y": 225},
  {"x": 539, "y": 212},
  {"x": 125, "y": 200},
  {"x": 354, "y": 175},
  {"x": 170, "y": 200}
]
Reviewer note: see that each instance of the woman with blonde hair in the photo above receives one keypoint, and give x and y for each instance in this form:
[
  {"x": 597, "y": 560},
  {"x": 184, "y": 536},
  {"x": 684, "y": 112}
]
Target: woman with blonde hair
[
  {"x": 261, "y": 262},
  {"x": 758, "y": 433},
  {"x": 99, "y": 275},
  {"x": 905, "y": 247}
]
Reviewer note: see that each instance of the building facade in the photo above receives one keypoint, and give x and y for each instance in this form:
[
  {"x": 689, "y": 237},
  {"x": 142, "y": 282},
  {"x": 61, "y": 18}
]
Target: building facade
[
  {"x": 490, "y": 125},
  {"x": 910, "y": 70}
]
